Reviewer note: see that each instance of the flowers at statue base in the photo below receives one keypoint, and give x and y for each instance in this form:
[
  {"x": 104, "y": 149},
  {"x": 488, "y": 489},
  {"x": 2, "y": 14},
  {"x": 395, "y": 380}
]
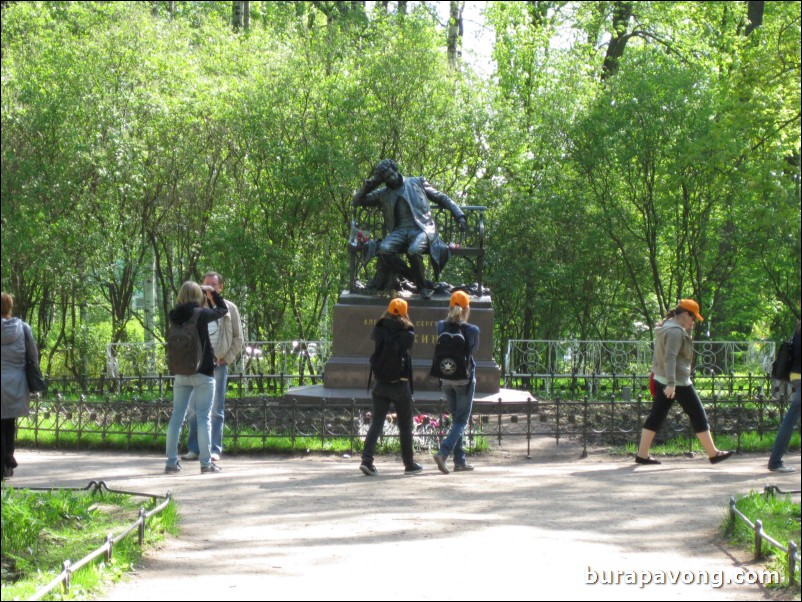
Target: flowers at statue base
[{"x": 361, "y": 239}]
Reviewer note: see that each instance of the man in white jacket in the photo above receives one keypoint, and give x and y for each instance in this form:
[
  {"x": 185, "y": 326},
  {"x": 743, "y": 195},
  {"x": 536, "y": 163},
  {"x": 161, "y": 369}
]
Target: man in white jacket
[{"x": 226, "y": 338}]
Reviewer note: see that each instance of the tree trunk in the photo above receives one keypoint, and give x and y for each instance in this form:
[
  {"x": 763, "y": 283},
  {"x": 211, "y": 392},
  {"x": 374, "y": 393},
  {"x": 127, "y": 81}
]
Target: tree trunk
[
  {"x": 237, "y": 12},
  {"x": 455, "y": 31},
  {"x": 755, "y": 13},
  {"x": 622, "y": 13}
]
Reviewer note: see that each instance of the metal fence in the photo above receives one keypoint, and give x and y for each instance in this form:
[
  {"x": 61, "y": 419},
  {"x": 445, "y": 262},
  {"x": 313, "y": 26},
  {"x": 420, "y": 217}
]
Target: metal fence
[
  {"x": 258, "y": 423},
  {"x": 596, "y": 391},
  {"x": 133, "y": 360},
  {"x": 106, "y": 549},
  {"x": 791, "y": 550},
  {"x": 547, "y": 358}
]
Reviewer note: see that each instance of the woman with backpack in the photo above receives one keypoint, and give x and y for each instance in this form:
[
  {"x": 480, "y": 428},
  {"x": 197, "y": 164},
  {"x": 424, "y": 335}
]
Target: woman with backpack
[
  {"x": 671, "y": 365},
  {"x": 193, "y": 369},
  {"x": 458, "y": 387},
  {"x": 391, "y": 366}
]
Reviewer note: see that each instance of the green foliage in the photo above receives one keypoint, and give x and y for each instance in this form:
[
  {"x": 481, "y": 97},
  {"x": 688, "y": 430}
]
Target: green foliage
[
  {"x": 142, "y": 146},
  {"x": 42, "y": 529}
]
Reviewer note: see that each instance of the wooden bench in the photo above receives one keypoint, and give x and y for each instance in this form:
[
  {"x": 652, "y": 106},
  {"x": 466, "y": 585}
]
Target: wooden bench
[{"x": 368, "y": 230}]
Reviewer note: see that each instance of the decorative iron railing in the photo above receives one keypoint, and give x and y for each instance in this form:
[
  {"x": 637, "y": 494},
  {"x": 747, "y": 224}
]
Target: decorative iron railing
[
  {"x": 549, "y": 358},
  {"x": 255, "y": 423}
]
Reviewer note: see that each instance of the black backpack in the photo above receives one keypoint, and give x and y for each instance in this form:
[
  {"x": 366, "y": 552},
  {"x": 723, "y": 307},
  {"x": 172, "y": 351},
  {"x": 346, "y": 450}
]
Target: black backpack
[
  {"x": 184, "y": 349},
  {"x": 388, "y": 363},
  {"x": 451, "y": 354}
]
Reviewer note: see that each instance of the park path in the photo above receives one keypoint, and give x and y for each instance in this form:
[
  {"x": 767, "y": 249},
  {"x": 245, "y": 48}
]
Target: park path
[{"x": 312, "y": 527}]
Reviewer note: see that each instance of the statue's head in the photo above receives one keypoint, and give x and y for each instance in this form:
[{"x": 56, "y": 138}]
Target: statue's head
[{"x": 387, "y": 171}]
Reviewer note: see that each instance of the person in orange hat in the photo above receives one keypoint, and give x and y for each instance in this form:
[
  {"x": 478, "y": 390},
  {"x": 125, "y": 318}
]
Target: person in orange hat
[
  {"x": 391, "y": 365},
  {"x": 673, "y": 355},
  {"x": 457, "y": 388}
]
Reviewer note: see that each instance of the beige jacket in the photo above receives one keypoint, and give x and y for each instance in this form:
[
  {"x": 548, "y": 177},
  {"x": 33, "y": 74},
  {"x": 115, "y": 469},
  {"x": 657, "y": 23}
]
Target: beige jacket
[
  {"x": 230, "y": 340},
  {"x": 673, "y": 354}
]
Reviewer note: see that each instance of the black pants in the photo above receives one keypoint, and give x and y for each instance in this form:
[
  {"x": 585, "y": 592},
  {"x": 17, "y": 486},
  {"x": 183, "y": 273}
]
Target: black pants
[
  {"x": 8, "y": 435},
  {"x": 687, "y": 398},
  {"x": 400, "y": 395}
]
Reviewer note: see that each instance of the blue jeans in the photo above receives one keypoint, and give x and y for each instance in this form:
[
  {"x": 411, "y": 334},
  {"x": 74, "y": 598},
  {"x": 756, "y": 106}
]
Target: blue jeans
[
  {"x": 196, "y": 393},
  {"x": 218, "y": 414},
  {"x": 400, "y": 395},
  {"x": 460, "y": 402},
  {"x": 786, "y": 429}
]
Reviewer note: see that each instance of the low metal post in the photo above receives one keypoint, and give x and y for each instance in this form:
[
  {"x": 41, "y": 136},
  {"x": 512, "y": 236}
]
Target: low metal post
[
  {"x": 67, "y": 576},
  {"x": 141, "y": 525},
  {"x": 758, "y": 539},
  {"x": 791, "y": 553}
]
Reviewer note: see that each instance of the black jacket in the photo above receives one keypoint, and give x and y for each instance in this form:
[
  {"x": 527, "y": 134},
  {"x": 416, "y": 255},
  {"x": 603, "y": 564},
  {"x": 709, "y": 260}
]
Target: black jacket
[
  {"x": 390, "y": 327},
  {"x": 182, "y": 313}
]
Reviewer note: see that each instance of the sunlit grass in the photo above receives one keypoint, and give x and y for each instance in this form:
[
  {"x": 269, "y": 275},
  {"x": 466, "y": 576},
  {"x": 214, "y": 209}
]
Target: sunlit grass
[
  {"x": 781, "y": 521},
  {"x": 42, "y": 529}
]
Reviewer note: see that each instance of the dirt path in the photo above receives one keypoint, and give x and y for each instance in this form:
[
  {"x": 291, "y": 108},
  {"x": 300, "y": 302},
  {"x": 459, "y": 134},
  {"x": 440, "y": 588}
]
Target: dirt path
[{"x": 514, "y": 529}]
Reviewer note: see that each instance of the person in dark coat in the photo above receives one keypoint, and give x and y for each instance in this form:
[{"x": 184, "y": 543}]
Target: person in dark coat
[
  {"x": 792, "y": 415},
  {"x": 394, "y": 329}
]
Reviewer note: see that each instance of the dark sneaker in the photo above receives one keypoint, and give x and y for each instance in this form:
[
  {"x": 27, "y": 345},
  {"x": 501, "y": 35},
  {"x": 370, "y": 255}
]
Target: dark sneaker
[
  {"x": 463, "y": 467},
  {"x": 413, "y": 468},
  {"x": 211, "y": 468},
  {"x": 368, "y": 469},
  {"x": 173, "y": 469},
  {"x": 782, "y": 468},
  {"x": 441, "y": 463},
  {"x": 720, "y": 456},
  {"x": 649, "y": 460},
  {"x": 190, "y": 455}
]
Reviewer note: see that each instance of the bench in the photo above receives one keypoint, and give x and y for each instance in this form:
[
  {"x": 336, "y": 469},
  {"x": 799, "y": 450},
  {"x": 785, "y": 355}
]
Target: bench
[{"x": 368, "y": 230}]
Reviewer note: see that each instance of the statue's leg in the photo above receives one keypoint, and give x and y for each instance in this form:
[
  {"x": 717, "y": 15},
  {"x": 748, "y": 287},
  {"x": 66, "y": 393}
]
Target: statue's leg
[{"x": 415, "y": 253}]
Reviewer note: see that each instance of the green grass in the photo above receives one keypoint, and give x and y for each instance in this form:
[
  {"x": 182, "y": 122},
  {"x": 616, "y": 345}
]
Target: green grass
[
  {"x": 750, "y": 442},
  {"x": 42, "y": 529},
  {"x": 781, "y": 521}
]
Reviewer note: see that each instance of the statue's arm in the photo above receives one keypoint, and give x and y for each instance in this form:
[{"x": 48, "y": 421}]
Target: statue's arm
[
  {"x": 367, "y": 195},
  {"x": 445, "y": 201}
]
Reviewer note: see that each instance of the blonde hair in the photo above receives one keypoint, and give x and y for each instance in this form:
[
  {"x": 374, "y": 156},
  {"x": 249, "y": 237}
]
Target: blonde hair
[
  {"x": 190, "y": 292},
  {"x": 7, "y": 304},
  {"x": 458, "y": 314}
]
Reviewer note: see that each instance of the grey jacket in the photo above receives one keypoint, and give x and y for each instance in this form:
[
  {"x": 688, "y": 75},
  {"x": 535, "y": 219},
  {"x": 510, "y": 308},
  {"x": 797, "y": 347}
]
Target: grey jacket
[
  {"x": 15, "y": 393},
  {"x": 673, "y": 354}
]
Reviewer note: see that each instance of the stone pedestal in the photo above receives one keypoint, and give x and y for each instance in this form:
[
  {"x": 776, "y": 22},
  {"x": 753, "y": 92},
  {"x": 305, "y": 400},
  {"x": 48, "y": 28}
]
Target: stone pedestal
[{"x": 355, "y": 316}]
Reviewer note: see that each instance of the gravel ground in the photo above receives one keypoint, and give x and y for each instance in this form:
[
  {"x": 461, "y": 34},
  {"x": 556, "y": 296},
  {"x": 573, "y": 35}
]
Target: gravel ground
[{"x": 554, "y": 527}]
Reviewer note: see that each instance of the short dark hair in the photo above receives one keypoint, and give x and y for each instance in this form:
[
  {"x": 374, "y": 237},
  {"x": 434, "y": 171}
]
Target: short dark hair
[
  {"x": 384, "y": 166},
  {"x": 214, "y": 275}
]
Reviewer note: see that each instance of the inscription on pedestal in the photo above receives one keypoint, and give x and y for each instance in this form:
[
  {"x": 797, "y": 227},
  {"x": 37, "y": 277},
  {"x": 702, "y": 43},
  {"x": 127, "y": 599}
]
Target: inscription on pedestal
[{"x": 356, "y": 315}]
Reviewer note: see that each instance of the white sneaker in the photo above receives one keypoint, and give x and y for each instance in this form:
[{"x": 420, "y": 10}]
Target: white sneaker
[
  {"x": 782, "y": 469},
  {"x": 190, "y": 455},
  {"x": 215, "y": 457}
]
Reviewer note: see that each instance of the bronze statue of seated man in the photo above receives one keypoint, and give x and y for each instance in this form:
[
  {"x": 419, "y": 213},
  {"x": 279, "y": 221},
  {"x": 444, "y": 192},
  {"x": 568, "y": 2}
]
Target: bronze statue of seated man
[{"x": 405, "y": 204}]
